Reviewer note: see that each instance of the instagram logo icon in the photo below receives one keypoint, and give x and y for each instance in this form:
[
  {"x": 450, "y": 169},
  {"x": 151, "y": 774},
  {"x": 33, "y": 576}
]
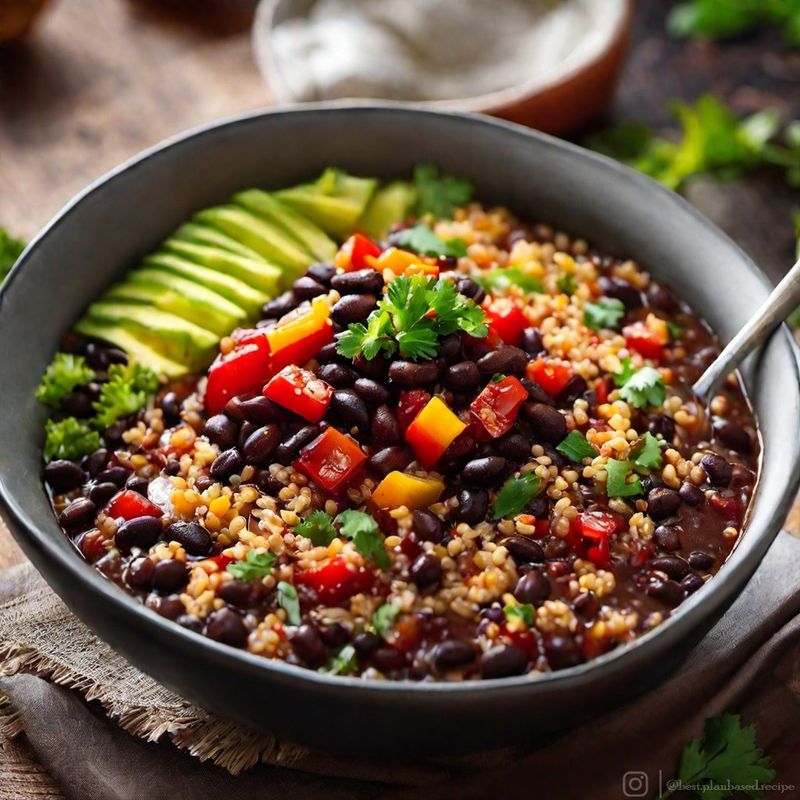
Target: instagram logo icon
[{"x": 635, "y": 784}]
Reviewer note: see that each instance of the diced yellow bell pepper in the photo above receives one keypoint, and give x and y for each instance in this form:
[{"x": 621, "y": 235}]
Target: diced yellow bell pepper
[
  {"x": 432, "y": 431},
  {"x": 398, "y": 489},
  {"x": 299, "y": 339},
  {"x": 395, "y": 259}
]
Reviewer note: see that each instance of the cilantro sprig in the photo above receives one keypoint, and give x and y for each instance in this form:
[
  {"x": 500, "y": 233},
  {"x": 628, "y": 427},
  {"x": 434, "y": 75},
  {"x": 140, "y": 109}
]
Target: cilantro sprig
[
  {"x": 317, "y": 526},
  {"x": 127, "y": 391},
  {"x": 64, "y": 373},
  {"x": 69, "y": 439},
  {"x": 422, "y": 240},
  {"x": 604, "y": 314},
  {"x": 644, "y": 388},
  {"x": 287, "y": 600},
  {"x": 647, "y": 453},
  {"x": 415, "y": 313},
  {"x": 439, "y": 195},
  {"x": 514, "y": 495},
  {"x": 255, "y": 566},
  {"x": 575, "y": 447},
  {"x": 10, "y": 250},
  {"x": 521, "y": 611},
  {"x": 384, "y": 617},
  {"x": 617, "y": 484},
  {"x": 363, "y": 530},
  {"x": 498, "y": 280}
]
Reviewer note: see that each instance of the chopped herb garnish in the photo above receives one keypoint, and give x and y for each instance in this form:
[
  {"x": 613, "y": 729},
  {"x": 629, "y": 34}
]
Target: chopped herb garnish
[
  {"x": 626, "y": 373},
  {"x": 344, "y": 662},
  {"x": 439, "y": 195},
  {"x": 514, "y": 495},
  {"x": 255, "y": 566},
  {"x": 499, "y": 280},
  {"x": 414, "y": 315},
  {"x": 127, "y": 391},
  {"x": 644, "y": 388},
  {"x": 575, "y": 447},
  {"x": 384, "y": 617},
  {"x": 647, "y": 453},
  {"x": 523, "y": 611},
  {"x": 69, "y": 439},
  {"x": 421, "y": 239},
  {"x": 65, "y": 372},
  {"x": 287, "y": 600},
  {"x": 363, "y": 530},
  {"x": 617, "y": 484},
  {"x": 605, "y": 314},
  {"x": 317, "y": 526},
  {"x": 567, "y": 284},
  {"x": 675, "y": 330},
  {"x": 10, "y": 250}
]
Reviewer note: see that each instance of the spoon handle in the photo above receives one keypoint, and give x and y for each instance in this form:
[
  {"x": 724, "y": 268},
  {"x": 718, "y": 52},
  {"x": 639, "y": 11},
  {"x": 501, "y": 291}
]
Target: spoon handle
[{"x": 783, "y": 299}]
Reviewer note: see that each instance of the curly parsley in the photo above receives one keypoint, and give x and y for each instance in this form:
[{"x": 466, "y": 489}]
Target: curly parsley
[
  {"x": 69, "y": 439},
  {"x": 65, "y": 372},
  {"x": 127, "y": 391}
]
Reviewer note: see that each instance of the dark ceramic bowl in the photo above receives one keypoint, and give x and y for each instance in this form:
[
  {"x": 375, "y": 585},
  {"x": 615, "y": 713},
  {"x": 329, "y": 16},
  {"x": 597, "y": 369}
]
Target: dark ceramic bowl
[{"x": 120, "y": 218}]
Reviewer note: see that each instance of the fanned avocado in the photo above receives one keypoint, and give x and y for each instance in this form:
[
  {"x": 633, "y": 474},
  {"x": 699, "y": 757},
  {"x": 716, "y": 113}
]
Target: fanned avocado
[
  {"x": 264, "y": 237},
  {"x": 258, "y": 274},
  {"x": 335, "y": 201},
  {"x": 236, "y": 291},
  {"x": 184, "y": 298},
  {"x": 302, "y": 230},
  {"x": 204, "y": 234},
  {"x": 169, "y": 335},
  {"x": 389, "y": 205},
  {"x": 136, "y": 350}
]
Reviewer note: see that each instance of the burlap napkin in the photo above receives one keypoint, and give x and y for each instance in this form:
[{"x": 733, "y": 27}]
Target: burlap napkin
[{"x": 750, "y": 662}]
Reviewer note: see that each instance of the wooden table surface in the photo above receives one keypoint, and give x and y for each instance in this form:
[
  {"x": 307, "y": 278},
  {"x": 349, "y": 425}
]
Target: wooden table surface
[{"x": 101, "y": 79}]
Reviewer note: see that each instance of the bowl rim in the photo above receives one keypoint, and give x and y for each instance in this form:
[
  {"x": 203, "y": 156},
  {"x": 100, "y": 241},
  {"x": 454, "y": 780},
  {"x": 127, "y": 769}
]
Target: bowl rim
[
  {"x": 688, "y": 617},
  {"x": 614, "y": 37}
]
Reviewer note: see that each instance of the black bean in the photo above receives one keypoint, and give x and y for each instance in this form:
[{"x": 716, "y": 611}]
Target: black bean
[
  {"x": 137, "y": 483},
  {"x": 587, "y": 605},
  {"x": 63, "y": 476},
  {"x": 494, "y": 614},
  {"x": 691, "y": 583},
  {"x": 236, "y": 593},
  {"x": 387, "y": 659},
  {"x": 222, "y": 431},
  {"x": 141, "y": 532},
  {"x": 112, "y": 436},
  {"x": 190, "y": 623},
  {"x": 473, "y": 504},
  {"x": 227, "y": 463},
  {"x": 484, "y": 471},
  {"x": 374, "y": 368},
  {"x": 620, "y": 290},
  {"x": 78, "y": 515},
  {"x": 172, "y": 467},
  {"x": 719, "y": 471},
  {"x": 662, "y": 425},
  {"x": 524, "y": 550},
  {"x": 462, "y": 376},
  {"x": 337, "y": 375},
  {"x": 169, "y": 576},
  {"x": 281, "y": 305},
  {"x": 389, "y": 459},
  {"x": 667, "y": 537},
  {"x": 514, "y": 446},
  {"x": 261, "y": 410},
  {"x": 700, "y": 560},
  {"x": 385, "y": 428},
  {"x": 450, "y": 348},
  {"x": 733, "y": 436},
  {"x": 360, "y": 281},
  {"x": 702, "y": 359},
  {"x": 353, "y": 308},
  {"x": 233, "y": 408},
  {"x": 507, "y": 360},
  {"x": 139, "y": 573},
  {"x": 101, "y": 493},
  {"x": 350, "y": 408},
  {"x": 194, "y": 538},
  {"x": 533, "y": 588},
  {"x": 323, "y": 273},
  {"x": 503, "y": 661},
  {"x": 290, "y": 447},
  {"x": 226, "y": 626},
  {"x": 366, "y": 643},
  {"x": 547, "y": 424},
  {"x": 741, "y": 477},
  {"x": 245, "y": 429},
  {"x": 452, "y": 653},
  {"x": 96, "y": 462},
  {"x": 262, "y": 443},
  {"x": 669, "y": 592},
  {"x": 371, "y": 391},
  {"x": 536, "y": 393},
  {"x": 327, "y": 353},
  {"x": 472, "y": 289},
  {"x": 690, "y": 494},
  {"x": 307, "y": 643},
  {"x": 538, "y": 507},
  {"x": 573, "y": 389},
  {"x": 532, "y": 342},
  {"x": 672, "y": 566},
  {"x": 562, "y": 652},
  {"x": 171, "y": 407},
  {"x": 410, "y": 374},
  {"x": 306, "y": 288},
  {"x": 662, "y": 502},
  {"x": 658, "y": 296},
  {"x": 333, "y": 634},
  {"x": 427, "y": 526},
  {"x": 77, "y": 404},
  {"x": 426, "y": 570}
]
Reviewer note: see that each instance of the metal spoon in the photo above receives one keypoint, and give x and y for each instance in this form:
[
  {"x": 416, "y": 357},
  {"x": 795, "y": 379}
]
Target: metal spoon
[{"x": 783, "y": 299}]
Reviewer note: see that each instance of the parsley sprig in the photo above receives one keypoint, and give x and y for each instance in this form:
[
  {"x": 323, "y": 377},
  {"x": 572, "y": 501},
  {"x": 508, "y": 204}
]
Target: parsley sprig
[
  {"x": 415, "y": 313},
  {"x": 63, "y": 374},
  {"x": 127, "y": 391},
  {"x": 70, "y": 439},
  {"x": 288, "y": 601},
  {"x": 317, "y": 526}
]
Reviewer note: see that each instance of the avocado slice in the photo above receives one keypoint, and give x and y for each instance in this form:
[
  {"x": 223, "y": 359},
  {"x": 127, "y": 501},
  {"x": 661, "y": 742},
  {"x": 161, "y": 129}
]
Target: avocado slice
[
  {"x": 389, "y": 205},
  {"x": 264, "y": 237},
  {"x": 136, "y": 350},
  {"x": 204, "y": 234},
  {"x": 258, "y": 274},
  {"x": 334, "y": 201},
  {"x": 302, "y": 230},
  {"x": 170, "y": 335},
  {"x": 184, "y": 298}
]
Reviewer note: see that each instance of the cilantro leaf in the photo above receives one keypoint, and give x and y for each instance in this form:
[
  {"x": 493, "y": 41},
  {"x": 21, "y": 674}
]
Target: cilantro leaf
[
  {"x": 69, "y": 439},
  {"x": 317, "y": 526},
  {"x": 344, "y": 662},
  {"x": 439, "y": 195},
  {"x": 10, "y": 250},
  {"x": 421, "y": 239},
  {"x": 605, "y": 314},
  {"x": 514, "y": 495},
  {"x": 575, "y": 447},
  {"x": 65, "y": 372},
  {"x": 287, "y": 600},
  {"x": 363, "y": 530},
  {"x": 644, "y": 388},
  {"x": 647, "y": 453},
  {"x": 127, "y": 391},
  {"x": 627, "y": 372},
  {"x": 523, "y": 611},
  {"x": 498, "y": 280},
  {"x": 255, "y": 566},
  {"x": 567, "y": 284},
  {"x": 617, "y": 484},
  {"x": 675, "y": 330},
  {"x": 384, "y": 617}
]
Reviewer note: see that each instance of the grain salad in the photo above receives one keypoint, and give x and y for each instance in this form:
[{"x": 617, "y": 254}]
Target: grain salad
[{"x": 458, "y": 445}]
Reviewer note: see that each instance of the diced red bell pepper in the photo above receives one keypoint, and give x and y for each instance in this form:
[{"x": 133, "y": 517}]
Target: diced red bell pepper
[
  {"x": 332, "y": 460},
  {"x": 300, "y": 391},
  {"x": 353, "y": 254},
  {"x": 524, "y": 638},
  {"x": 496, "y": 407},
  {"x": 336, "y": 581},
  {"x": 643, "y": 552},
  {"x": 410, "y": 403},
  {"x": 648, "y": 343},
  {"x": 597, "y": 527},
  {"x": 301, "y": 338},
  {"x": 551, "y": 374},
  {"x": 432, "y": 431},
  {"x": 130, "y": 505},
  {"x": 241, "y": 370},
  {"x": 726, "y": 507},
  {"x": 506, "y": 319}
]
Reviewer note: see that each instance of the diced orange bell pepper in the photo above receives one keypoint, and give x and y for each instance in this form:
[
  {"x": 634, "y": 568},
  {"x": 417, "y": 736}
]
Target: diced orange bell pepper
[
  {"x": 432, "y": 431},
  {"x": 300, "y": 339},
  {"x": 355, "y": 252},
  {"x": 395, "y": 259},
  {"x": 422, "y": 268},
  {"x": 332, "y": 460},
  {"x": 398, "y": 489}
]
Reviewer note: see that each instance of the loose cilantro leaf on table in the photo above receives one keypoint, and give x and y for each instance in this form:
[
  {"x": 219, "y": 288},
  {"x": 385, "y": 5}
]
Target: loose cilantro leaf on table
[
  {"x": 127, "y": 391},
  {"x": 617, "y": 484},
  {"x": 287, "y": 600},
  {"x": 69, "y": 439},
  {"x": 317, "y": 526},
  {"x": 363, "y": 530},
  {"x": 254, "y": 566},
  {"x": 647, "y": 453},
  {"x": 384, "y": 617},
  {"x": 498, "y": 280},
  {"x": 514, "y": 495},
  {"x": 575, "y": 447},
  {"x": 644, "y": 388},
  {"x": 10, "y": 250},
  {"x": 411, "y": 318},
  {"x": 344, "y": 662},
  {"x": 439, "y": 195},
  {"x": 523, "y": 611},
  {"x": 65, "y": 372},
  {"x": 421, "y": 239},
  {"x": 604, "y": 314}
]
